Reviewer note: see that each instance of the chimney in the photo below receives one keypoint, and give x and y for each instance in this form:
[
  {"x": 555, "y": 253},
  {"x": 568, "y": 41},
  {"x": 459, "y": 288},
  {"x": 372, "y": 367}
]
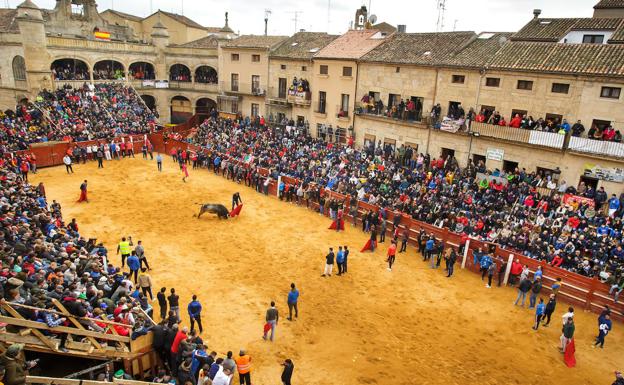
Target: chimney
[
  {"x": 536, "y": 13},
  {"x": 401, "y": 28}
]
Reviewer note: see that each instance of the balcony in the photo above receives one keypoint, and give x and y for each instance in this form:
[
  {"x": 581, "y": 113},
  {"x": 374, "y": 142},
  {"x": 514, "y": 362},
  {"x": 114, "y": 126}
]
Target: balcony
[
  {"x": 596, "y": 147},
  {"x": 242, "y": 88},
  {"x": 536, "y": 138},
  {"x": 342, "y": 113},
  {"x": 414, "y": 119}
]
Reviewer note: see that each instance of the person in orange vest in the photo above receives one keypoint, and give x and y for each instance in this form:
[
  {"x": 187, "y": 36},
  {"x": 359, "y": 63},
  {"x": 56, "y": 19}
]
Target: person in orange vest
[
  {"x": 243, "y": 365},
  {"x": 391, "y": 254}
]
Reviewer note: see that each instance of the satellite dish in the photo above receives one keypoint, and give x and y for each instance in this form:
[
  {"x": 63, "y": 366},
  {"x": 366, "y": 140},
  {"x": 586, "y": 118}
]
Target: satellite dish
[
  {"x": 502, "y": 40},
  {"x": 372, "y": 19}
]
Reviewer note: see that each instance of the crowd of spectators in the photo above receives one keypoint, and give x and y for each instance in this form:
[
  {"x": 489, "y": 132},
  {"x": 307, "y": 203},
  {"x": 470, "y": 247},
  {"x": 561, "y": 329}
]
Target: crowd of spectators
[
  {"x": 508, "y": 208},
  {"x": 70, "y": 72},
  {"x": 46, "y": 258},
  {"x": 108, "y": 72},
  {"x": 89, "y": 112},
  {"x": 550, "y": 124},
  {"x": 206, "y": 75}
]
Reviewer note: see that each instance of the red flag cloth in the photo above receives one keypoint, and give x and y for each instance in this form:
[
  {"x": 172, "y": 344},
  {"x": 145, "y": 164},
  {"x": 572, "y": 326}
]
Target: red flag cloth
[
  {"x": 367, "y": 246},
  {"x": 568, "y": 356},
  {"x": 236, "y": 211},
  {"x": 333, "y": 225},
  {"x": 83, "y": 196},
  {"x": 267, "y": 327}
]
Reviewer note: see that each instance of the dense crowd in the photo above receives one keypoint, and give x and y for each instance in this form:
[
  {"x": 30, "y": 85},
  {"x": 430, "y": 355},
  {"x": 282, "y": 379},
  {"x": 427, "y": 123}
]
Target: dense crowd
[
  {"x": 76, "y": 114},
  {"x": 508, "y": 208},
  {"x": 69, "y": 71}
]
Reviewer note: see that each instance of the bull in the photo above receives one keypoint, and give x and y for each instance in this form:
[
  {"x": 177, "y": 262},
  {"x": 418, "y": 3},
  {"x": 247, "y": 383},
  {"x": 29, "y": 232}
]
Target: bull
[{"x": 214, "y": 208}]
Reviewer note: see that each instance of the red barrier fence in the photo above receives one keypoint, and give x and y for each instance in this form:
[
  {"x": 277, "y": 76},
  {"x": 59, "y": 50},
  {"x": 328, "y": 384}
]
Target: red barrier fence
[{"x": 589, "y": 293}]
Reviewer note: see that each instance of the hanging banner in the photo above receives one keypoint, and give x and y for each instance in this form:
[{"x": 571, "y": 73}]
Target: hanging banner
[
  {"x": 607, "y": 174},
  {"x": 571, "y": 200},
  {"x": 495, "y": 154}
]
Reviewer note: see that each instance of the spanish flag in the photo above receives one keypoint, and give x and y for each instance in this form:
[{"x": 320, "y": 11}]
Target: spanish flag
[{"x": 102, "y": 35}]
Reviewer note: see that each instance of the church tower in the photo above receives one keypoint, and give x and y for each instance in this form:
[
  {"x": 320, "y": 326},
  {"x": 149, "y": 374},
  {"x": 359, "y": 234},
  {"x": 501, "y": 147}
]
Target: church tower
[{"x": 361, "y": 17}]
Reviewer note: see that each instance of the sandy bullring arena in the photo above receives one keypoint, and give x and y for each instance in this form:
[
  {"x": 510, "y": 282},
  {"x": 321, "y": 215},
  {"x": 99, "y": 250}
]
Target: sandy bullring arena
[{"x": 372, "y": 326}]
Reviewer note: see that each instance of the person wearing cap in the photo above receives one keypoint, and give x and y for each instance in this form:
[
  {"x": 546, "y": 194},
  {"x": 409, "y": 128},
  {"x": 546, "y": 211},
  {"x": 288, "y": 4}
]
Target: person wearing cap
[
  {"x": 14, "y": 365},
  {"x": 243, "y": 365}
]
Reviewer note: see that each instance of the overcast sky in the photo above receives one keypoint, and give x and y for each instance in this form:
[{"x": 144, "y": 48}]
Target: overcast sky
[{"x": 247, "y": 16}]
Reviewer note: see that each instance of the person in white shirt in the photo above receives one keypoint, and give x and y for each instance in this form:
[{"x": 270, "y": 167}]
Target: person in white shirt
[
  {"x": 222, "y": 377},
  {"x": 567, "y": 315},
  {"x": 68, "y": 163}
]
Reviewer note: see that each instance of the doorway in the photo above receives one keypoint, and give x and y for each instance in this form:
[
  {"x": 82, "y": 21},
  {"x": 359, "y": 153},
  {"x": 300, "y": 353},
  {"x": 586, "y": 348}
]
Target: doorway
[{"x": 509, "y": 166}]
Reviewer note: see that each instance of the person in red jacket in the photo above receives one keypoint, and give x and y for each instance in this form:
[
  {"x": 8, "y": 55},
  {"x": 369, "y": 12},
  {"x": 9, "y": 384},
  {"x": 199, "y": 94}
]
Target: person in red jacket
[
  {"x": 516, "y": 270},
  {"x": 556, "y": 261},
  {"x": 516, "y": 121},
  {"x": 175, "y": 348},
  {"x": 529, "y": 202},
  {"x": 502, "y": 122},
  {"x": 391, "y": 254}
]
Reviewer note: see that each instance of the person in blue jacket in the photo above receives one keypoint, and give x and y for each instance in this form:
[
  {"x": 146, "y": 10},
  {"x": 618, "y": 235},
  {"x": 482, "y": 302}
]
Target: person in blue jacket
[
  {"x": 614, "y": 205},
  {"x": 340, "y": 260},
  {"x": 540, "y": 310},
  {"x": 293, "y": 298},
  {"x": 485, "y": 263},
  {"x": 134, "y": 264},
  {"x": 194, "y": 310}
]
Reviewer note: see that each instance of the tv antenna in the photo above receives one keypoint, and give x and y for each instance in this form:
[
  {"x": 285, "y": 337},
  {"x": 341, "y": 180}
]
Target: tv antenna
[
  {"x": 296, "y": 18},
  {"x": 441, "y": 10},
  {"x": 267, "y": 12},
  {"x": 328, "y": 13}
]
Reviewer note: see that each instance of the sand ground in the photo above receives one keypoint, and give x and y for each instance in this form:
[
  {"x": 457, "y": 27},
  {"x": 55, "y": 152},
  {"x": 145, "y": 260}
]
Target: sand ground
[{"x": 408, "y": 326}]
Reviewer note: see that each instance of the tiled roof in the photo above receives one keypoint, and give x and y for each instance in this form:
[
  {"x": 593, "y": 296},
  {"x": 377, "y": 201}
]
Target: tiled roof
[
  {"x": 557, "y": 29},
  {"x": 7, "y": 21},
  {"x": 188, "y": 22},
  {"x": 302, "y": 45},
  {"x": 477, "y": 53},
  {"x": 609, "y": 4},
  {"x": 420, "y": 48},
  {"x": 352, "y": 45},
  {"x": 385, "y": 27},
  {"x": 581, "y": 59},
  {"x": 124, "y": 15},
  {"x": 204, "y": 42},
  {"x": 255, "y": 41}
]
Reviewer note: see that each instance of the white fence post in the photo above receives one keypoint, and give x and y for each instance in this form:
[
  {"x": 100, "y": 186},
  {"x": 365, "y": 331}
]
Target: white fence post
[
  {"x": 508, "y": 270},
  {"x": 466, "y": 248}
]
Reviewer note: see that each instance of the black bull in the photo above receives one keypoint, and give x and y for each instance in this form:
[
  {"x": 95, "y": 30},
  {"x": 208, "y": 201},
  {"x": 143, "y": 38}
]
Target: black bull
[{"x": 221, "y": 211}]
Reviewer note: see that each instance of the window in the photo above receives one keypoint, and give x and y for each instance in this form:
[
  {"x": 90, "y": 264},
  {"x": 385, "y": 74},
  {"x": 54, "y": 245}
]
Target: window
[
  {"x": 347, "y": 71},
  {"x": 446, "y": 152},
  {"x": 560, "y": 88},
  {"x": 492, "y": 82},
  {"x": 234, "y": 57},
  {"x": 322, "y": 102},
  {"x": 525, "y": 85},
  {"x": 255, "y": 84},
  {"x": 554, "y": 119},
  {"x": 255, "y": 109},
  {"x": 344, "y": 105},
  {"x": 477, "y": 159},
  {"x": 610, "y": 92},
  {"x": 593, "y": 39},
  {"x": 234, "y": 82},
  {"x": 323, "y": 70},
  {"x": 283, "y": 66},
  {"x": 520, "y": 113},
  {"x": 281, "y": 88},
  {"x": 458, "y": 79},
  {"x": 234, "y": 106},
  {"x": 19, "y": 68},
  {"x": 255, "y": 58},
  {"x": 393, "y": 100},
  {"x": 304, "y": 68},
  {"x": 398, "y": 69},
  {"x": 77, "y": 9},
  {"x": 509, "y": 166}
]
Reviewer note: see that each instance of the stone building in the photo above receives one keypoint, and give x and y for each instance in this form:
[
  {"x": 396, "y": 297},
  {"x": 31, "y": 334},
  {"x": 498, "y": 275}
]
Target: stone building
[{"x": 552, "y": 68}]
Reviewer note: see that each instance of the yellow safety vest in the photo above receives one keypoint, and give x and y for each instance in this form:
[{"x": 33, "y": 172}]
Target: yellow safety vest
[{"x": 124, "y": 247}]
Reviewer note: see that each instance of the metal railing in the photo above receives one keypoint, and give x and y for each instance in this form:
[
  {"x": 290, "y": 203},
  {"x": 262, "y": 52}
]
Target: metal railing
[
  {"x": 597, "y": 147},
  {"x": 537, "y": 138},
  {"x": 409, "y": 116}
]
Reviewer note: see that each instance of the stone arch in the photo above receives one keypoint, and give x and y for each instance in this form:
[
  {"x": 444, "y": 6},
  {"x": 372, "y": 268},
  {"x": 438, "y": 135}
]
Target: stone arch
[
  {"x": 150, "y": 101},
  {"x": 205, "y": 105},
  {"x": 206, "y": 74},
  {"x": 19, "y": 68},
  {"x": 70, "y": 69},
  {"x": 181, "y": 109},
  {"x": 180, "y": 72},
  {"x": 109, "y": 69},
  {"x": 141, "y": 70}
]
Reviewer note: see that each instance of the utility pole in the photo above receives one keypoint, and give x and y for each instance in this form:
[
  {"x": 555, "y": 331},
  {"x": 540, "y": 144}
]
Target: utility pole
[
  {"x": 441, "y": 10},
  {"x": 328, "y": 13},
  {"x": 296, "y": 18},
  {"x": 267, "y": 12}
]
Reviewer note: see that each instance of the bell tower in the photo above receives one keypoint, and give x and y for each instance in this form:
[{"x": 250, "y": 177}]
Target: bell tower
[{"x": 361, "y": 17}]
